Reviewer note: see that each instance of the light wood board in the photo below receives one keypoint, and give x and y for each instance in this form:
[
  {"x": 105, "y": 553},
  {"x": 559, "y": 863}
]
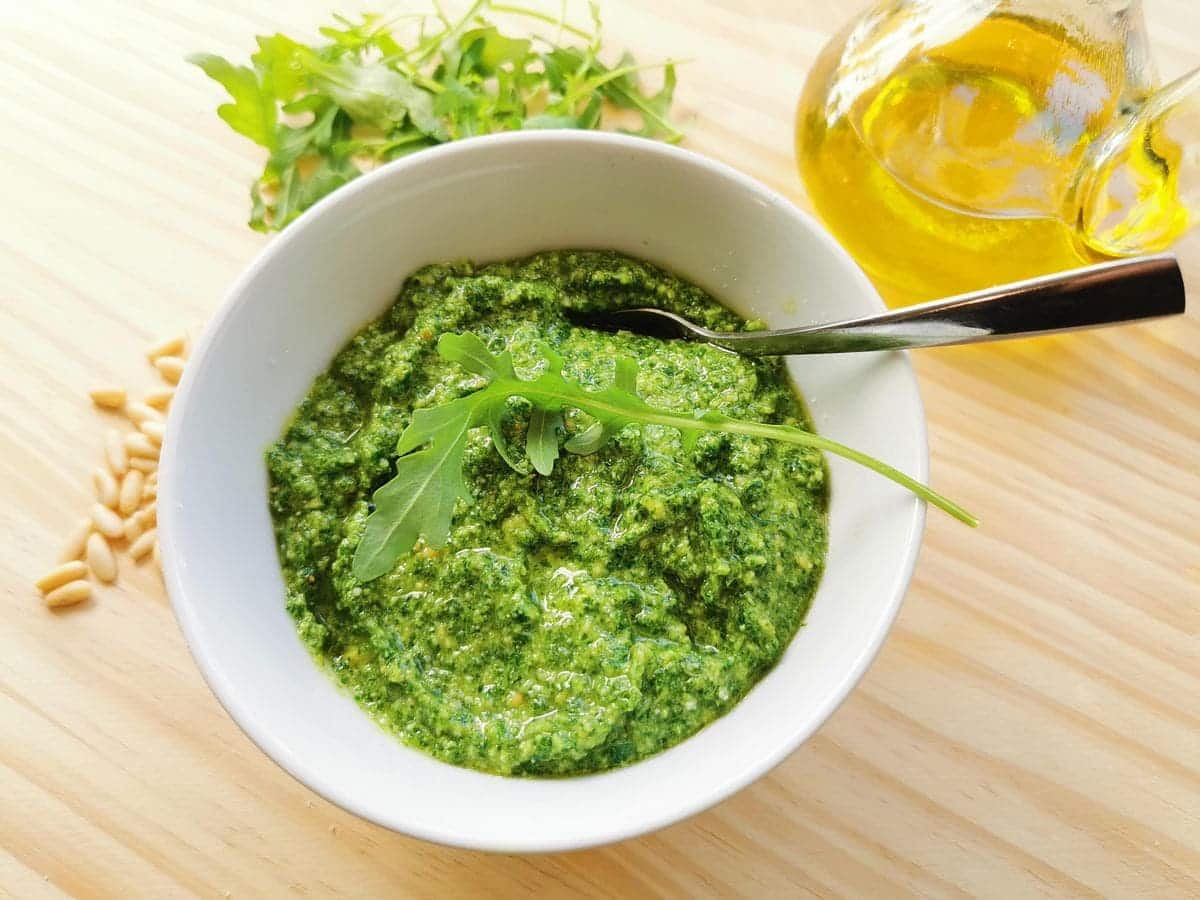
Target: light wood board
[{"x": 1031, "y": 728}]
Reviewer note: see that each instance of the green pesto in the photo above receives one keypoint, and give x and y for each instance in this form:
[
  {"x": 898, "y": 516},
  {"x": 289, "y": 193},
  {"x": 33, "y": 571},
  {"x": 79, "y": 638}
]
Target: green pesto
[{"x": 574, "y": 622}]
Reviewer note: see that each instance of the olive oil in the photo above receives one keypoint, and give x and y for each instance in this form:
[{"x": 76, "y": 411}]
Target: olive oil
[{"x": 952, "y": 172}]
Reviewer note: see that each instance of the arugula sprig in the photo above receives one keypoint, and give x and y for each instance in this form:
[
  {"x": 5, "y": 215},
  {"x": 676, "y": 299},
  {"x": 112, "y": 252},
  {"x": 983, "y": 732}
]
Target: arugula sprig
[
  {"x": 419, "y": 501},
  {"x": 326, "y": 113}
]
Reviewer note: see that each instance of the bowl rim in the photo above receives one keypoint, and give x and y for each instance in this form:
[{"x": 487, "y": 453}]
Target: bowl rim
[{"x": 228, "y": 695}]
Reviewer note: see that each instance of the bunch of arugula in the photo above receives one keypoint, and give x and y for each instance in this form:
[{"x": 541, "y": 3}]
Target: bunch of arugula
[
  {"x": 369, "y": 99},
  {"x": 419, "y": 500}
]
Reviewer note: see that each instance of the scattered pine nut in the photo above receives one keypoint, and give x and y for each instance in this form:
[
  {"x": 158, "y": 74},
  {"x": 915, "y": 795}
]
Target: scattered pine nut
[
  {"x": 137, "y": 444},
  {"x": 108, "y": 397},
  {"x": 156, "y": 430},
  {"x": 172, "y": 346},
  {"x": 128, "y": 481},
  {"x": 160, "y": 398},
  {"x": 131, "y": 492},
  {"x": 140, "y": 412},
  {"x": 133, "y": 528},
  {"x": 76, "y": 540},
  {"x": 114, "y": 452},
  {"x": 106, "y": 486},
  {"x": 60, "y": 575},
  {"x": 142, "y": 522},
  {"x": 170, "y": 368},
  {"x": 107, "y": 522},
  {"x": 100, "y": 559},
  {"x": 144, "y": 544},
  {"x": 69, "y": 594}
]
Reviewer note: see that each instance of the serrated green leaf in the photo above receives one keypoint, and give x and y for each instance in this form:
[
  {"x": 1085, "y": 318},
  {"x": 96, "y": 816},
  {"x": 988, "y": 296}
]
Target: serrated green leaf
[
  {"x": 279, "y": 65},
  {"x": 430, "y": 423},
  {"x": 562, "y": 65},
  {"x": 314, "y": 138},
  {"x": 541, "y": 441},
  {"x": 417, "y": 502},
  {"x": 489, "y": 49},
  {"x": 468, "y": 351},
  {"x": 626, "y": 92},
  {"x": 252, "y": 112},
  {"x": 589, "y": 440},
  {"x": 374, "y": 94},
  {"x": 495, "y": 424}
]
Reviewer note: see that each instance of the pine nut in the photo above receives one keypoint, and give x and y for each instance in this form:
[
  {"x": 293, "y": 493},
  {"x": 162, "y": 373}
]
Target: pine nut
[
  {"x": 108, "y": 397},
  {"x": 106, "y": 486},
  {"x": 114, "y": 452},
  {"x": 60, "y": 575},
  {"x": 157, "y": 555},
  {"x": 156, "y": 430},
  {"x": 138, "y": 413},
  {"x": 73, "y": 548},
  {"x": 137, "y": 444},
  {"x": 131, "y": 492},
  {"x": 107, "y": 522},
  {"x": 69, "y": 594},
  {"x": 133, "y": 528},
  {"x": 144, "y": 465},
  {"x": 172, "y": 346},
  {"x": 160, "y": 398},
  {"x": 144, "y": 544},
  {"x": 150, "y": 489},
  {"x": 101, "y": 560},
  {"x": 170, "y": 368},
  {"x": 149, "y": 515}
]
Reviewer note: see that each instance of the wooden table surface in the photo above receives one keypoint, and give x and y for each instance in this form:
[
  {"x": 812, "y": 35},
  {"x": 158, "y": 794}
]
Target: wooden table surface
[{"x": 1031, "y": 728}]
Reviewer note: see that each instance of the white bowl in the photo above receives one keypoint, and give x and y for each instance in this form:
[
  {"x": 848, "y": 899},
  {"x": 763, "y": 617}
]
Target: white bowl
[{"x": 338, "y": 267}]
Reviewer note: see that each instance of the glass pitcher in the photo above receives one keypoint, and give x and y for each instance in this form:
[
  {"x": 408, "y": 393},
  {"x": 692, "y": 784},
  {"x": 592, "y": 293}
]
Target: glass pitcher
[{"x": 955, "y": 144}]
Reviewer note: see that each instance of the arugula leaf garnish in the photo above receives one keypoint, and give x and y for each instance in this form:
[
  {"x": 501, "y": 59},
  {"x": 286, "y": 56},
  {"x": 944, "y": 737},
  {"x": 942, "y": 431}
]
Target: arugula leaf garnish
[
  {"x": 419, "y": 501},
  {"x": 252, "y": 113},
  {"x": 366, "y": 98}
]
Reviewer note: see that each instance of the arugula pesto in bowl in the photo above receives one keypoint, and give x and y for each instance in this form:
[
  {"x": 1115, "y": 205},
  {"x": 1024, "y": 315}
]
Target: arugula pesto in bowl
[
  {"x": 340, "y": 265},
  {"x": 576, "y": 621}
]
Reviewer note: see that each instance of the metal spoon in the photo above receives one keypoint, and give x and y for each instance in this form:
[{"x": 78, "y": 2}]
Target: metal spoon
[{"x": 1106, "y": 294}]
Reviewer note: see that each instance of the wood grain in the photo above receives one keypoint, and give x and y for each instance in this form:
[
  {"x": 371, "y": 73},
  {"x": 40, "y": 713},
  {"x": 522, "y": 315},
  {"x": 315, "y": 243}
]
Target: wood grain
[{"x": 1032, "y": 727}]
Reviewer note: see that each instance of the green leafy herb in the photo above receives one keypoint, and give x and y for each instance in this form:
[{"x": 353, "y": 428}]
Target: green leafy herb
[
  {"x": 419, "y": 500},
  {"x": 326, "y": 113}
]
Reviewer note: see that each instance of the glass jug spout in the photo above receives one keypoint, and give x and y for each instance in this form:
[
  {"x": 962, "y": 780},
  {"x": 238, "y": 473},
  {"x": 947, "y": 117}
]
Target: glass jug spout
[{"x": 1138, "y": 189}]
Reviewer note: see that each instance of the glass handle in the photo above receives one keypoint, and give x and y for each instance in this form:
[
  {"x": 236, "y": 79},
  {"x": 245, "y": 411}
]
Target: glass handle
[{"x": 1139, "y": 187}]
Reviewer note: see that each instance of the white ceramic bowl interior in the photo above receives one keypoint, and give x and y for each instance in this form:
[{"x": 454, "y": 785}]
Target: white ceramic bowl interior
[{"x": 338, "y": 267}]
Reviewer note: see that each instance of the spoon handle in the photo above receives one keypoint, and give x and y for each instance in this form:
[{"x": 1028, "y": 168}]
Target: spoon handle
[{"x": 1105, "y": 294}]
